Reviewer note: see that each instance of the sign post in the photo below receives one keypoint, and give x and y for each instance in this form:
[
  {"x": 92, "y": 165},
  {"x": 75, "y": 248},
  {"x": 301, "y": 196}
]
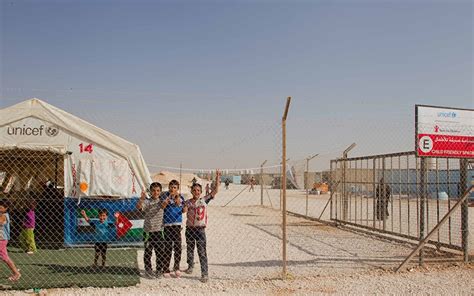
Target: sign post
[{"x": 445, "y": 132}]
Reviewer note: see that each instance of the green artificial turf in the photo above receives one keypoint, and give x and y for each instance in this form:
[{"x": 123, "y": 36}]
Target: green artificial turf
[{"x": 71, "y": 268}]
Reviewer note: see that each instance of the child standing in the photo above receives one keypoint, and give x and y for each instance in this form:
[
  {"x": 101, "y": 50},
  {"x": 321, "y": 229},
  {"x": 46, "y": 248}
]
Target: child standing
[
  {"x": 27, "y": 235},
  {"x": 153, "y": 228},
  {"x": 4, "y": 237},
  {"x": 252, "y": 183},
  {"x": 196, "y": 223},
  {"x": 173, "y": 205},
  {"x": 102, "y": 229}
]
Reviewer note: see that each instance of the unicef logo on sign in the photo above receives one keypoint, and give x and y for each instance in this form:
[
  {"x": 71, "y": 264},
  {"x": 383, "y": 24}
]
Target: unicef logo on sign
[
  {"x": 52, "y": 131},
  {"x": 447, "y": 114}
]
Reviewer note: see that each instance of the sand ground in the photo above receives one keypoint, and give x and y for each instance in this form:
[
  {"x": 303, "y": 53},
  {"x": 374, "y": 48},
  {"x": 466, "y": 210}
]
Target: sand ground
[{"x": 245, "y": 257}]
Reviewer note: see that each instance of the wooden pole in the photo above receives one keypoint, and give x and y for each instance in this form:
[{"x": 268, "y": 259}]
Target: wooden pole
[
  {"x": 281, "y": 184},
  {"x": 283, "y": 125}
]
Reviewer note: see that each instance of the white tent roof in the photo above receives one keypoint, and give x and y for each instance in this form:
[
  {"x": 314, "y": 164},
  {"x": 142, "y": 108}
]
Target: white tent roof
[{"x": 35, "y": 108}]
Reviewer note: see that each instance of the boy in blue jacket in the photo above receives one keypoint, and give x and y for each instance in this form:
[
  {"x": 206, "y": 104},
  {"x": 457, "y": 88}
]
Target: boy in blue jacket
[{"x": 173, "y": 205}]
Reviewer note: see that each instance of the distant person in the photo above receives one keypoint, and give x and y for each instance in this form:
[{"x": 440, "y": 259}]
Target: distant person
[
  {"x": 27, "y": 235},
  {"x": 252, "y": 183},
  {"x": 382, "y": 195},
  {"x": 208, "y": 189},
  {"x": 194, "y": 180},
  {"x": 153, "y": 230},
  {"x": 4, "y": 238},
  {"x": 227, "y": 182},
  {"x": 102, "y": 230},
  {"x": 196, "y": 223},
  {"x": 173, "y": 205}
]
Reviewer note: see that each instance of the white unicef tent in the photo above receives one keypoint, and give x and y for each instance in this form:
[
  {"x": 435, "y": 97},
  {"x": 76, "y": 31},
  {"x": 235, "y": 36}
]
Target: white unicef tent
[{"x": 96, "y": 162}]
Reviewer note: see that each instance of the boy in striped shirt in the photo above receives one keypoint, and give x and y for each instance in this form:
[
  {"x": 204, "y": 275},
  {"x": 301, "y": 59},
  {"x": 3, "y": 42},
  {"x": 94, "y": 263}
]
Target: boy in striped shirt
[
  {"x": 153, "y": 228},
  {"x": 196, "y": 223}
]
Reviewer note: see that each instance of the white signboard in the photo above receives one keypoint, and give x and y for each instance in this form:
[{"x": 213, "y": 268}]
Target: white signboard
[{"x": 444, "y": 132}]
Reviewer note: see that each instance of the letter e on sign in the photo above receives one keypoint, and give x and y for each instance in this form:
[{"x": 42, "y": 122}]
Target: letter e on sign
[{"x": 425, "y": 144}]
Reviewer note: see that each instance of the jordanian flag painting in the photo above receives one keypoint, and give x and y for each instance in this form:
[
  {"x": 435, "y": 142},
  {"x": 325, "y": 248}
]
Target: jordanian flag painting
[
  {"x": 130, "y": 226},
  {"x": 122, "y": 224},
  {"x": 125, "y": 229}
]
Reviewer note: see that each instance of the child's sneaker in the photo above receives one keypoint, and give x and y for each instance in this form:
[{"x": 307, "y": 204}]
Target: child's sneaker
[
  {"x": 189, "y": 270},
  {"x": 205, "y": 278},
  {"x": 177, "y": 273},
  {"x": 167, "y": 275}
]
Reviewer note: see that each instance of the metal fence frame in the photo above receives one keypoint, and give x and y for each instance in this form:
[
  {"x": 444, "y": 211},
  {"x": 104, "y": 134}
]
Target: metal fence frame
[{"x": 353, "y": 186}]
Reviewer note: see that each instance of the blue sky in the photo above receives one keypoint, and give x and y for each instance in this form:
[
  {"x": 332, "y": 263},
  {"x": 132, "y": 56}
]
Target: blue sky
[{"x": 204, "y": 83}]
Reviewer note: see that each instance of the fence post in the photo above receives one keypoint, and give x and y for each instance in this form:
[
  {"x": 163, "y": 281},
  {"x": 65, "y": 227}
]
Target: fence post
[
  {"x": 463, "y": 164},
  {"x": 261, "y": 182},
  {"x": 374, "y": 193},
  {"x": 383, "y": 197},
  {"x": 422, "y": 192},
  {"x": 344, "y": 196},
  {"x": 281, "y": 179},
  {"x": 283, "y": 124},
  {"x": 331, "y": 187},
  {"x": 344, "y": 201}
]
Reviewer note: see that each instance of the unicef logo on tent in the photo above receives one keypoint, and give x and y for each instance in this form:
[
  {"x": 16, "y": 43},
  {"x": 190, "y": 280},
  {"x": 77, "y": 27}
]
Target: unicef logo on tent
[{"x": 52, "y": 131}]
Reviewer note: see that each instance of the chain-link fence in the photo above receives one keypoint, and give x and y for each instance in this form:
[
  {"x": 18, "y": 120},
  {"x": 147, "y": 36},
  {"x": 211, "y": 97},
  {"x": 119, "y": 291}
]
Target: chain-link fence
[{"x": 79, "y": 220}]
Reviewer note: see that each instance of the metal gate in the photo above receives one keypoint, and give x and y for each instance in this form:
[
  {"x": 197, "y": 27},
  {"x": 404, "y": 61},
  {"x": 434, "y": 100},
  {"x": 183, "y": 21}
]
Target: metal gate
[{"x": 403, "y": 195}]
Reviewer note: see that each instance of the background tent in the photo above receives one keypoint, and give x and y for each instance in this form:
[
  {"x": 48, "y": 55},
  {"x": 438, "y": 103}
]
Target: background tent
[{"x": 164, "y": 177}]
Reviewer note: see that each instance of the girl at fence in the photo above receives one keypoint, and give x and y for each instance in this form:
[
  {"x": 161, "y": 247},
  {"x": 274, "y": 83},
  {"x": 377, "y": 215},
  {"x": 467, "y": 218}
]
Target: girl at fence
[
  {"x": 196, "y": 223},
  {"x": 27, "y": 235},
  {"x": 4, "y": 237}
]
